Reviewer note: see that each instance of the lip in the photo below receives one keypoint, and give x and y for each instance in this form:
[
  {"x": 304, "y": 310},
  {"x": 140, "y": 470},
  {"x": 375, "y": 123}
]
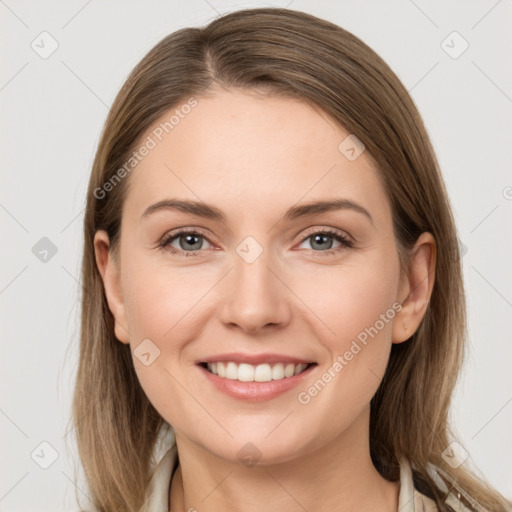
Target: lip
[
  {"x": 255, "y": 391},
  {"x": 254, "y": 359}
]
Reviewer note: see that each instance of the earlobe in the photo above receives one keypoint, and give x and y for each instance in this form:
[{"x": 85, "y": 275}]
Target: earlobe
[
  {"x": 416, "y": 288},
  {"x": 110, "y": 275}
]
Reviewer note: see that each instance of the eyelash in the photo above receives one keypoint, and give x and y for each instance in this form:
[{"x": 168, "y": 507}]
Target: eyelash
[{"x": 165, "y": 242}]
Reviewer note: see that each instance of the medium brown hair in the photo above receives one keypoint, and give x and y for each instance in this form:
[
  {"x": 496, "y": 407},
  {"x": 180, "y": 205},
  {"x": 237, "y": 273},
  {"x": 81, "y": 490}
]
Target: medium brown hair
[{"x": 294, "y": 54}]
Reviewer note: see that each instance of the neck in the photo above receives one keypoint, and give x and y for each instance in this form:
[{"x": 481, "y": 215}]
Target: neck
[{"x": 338, "y": 476}]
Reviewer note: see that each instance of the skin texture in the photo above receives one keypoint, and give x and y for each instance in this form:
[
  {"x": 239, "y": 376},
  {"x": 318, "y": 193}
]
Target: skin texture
[{"x": 254, "y": 157}]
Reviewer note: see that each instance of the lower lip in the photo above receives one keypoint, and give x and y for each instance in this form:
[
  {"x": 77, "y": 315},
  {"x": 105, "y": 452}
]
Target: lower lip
[{"x": 255, "y": 391}]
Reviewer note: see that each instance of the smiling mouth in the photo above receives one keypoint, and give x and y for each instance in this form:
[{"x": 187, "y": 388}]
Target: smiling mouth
[{"x": 245, "y": 372}]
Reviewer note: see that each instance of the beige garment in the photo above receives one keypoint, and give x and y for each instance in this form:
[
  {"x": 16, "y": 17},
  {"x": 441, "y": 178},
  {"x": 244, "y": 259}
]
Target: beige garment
[{"x": 410, "y": 500}]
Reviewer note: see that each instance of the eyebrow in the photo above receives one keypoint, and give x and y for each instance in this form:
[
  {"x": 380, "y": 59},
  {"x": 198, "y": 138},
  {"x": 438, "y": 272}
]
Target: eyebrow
[{"x": 211, "y": 212}]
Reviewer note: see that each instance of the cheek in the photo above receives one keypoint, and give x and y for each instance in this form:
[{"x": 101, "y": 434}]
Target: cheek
[
  {"x": 351, "y": 298},
  {"x": 365, "y": 308},
  {"x": 161, "y": 305},
  {"x": 160, "y": 300},
  {"x": 169, "y": 307},
  {"x": 356, "y": 307}
]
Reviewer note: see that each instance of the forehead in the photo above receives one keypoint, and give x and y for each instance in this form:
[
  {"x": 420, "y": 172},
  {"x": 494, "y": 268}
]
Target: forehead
[{"x": 237, "y": 148}]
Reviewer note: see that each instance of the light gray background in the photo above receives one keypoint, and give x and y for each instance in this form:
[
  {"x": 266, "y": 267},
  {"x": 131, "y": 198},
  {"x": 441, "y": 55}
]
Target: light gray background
[{"x": 53, "y": 110}]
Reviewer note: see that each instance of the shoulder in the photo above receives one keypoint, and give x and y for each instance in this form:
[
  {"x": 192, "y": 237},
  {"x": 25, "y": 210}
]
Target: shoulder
[
  {"x": 423, "y": 503},
  {"x": 157, "y": 494},
  {"x": 412, "y": 500}
]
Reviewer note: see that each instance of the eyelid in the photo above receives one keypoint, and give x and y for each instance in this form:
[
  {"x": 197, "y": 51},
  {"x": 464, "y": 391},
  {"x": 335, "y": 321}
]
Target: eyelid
[
  {"x": 183, "y": 231},
  {"x": 329, "y": 230}
]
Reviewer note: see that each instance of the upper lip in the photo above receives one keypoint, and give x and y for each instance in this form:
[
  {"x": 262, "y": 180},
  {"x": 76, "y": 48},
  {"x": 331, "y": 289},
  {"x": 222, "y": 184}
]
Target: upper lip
[{"x": 254, "y": 359}]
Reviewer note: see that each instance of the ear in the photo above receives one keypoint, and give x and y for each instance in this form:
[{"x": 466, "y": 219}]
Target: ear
[
  {"x": 415, "y": 288},
  {"x": 111, "y": 276}
]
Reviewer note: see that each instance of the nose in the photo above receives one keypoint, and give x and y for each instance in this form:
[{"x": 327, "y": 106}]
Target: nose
[{"x": 256, "y": 296}]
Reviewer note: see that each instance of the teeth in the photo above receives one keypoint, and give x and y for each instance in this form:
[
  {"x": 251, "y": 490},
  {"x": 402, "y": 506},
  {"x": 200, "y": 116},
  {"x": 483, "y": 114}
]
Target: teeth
[
  {"x": 261, "y": 373},
  {"x": 278, "y": 371}
]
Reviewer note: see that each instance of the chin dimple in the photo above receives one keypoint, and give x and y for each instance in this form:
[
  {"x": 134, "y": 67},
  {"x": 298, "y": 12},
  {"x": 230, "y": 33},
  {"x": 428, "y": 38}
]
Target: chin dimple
[{"x": 244, "y": 372}]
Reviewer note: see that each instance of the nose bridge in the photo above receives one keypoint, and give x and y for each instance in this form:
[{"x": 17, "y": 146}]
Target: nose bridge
[{"x": 256, "y": 296}]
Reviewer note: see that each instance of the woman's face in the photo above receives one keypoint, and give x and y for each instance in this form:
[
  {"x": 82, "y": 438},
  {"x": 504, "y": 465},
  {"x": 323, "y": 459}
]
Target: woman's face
[{"x": 263, "y": 281}]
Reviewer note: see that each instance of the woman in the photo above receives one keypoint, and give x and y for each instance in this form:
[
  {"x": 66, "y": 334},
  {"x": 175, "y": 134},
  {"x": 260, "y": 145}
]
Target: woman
[{"x": 275, "y": 298}]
